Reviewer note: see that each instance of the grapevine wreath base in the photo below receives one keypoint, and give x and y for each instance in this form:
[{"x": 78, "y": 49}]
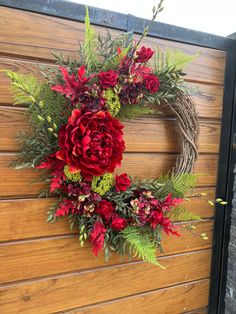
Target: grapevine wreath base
[{"x": 76, "y": 136}]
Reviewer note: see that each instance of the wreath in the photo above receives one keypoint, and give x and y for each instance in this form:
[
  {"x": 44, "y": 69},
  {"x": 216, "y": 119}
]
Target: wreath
[{"x": 76, "y": 137}]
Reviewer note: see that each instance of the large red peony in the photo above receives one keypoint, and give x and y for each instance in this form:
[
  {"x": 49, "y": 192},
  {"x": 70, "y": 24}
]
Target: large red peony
[{"x": 91, "y": 143}]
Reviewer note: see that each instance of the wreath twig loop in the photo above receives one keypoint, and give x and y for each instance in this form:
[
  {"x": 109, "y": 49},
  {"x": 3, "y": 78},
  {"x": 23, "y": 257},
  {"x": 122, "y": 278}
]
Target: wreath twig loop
[{"x": 188, "y": 127}]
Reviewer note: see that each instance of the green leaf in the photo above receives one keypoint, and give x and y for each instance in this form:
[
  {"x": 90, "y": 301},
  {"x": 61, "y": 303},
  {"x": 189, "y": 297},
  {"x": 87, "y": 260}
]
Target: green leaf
[
  {"x": 181, "y": 213},
  {"x": 115, "y": 60},
  {"x": 141, "y": 245},
  {"x": 177, "y": 59},
  {"x": 132, "y": 111},
  {"x": 90, "y": 44}
]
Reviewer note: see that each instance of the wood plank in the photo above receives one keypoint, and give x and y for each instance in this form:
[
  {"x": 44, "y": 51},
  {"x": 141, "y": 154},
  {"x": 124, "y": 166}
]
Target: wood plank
[
  {"x": 144, "y": 134},
  {"x": 32, "y": 224},
  {"x": 58, "y": 34},
  {"x": 173, "y": 300},
  {"x": 18, "y": 182},
  {"x": 203, "y": 310},
  {"x": 152, "y": 165},
  {"x": 144, "y": 165},
  {"x": 208, "y": 98},
  {"x": 79, "y": 289},
  {"x": 43, "y": 257}
]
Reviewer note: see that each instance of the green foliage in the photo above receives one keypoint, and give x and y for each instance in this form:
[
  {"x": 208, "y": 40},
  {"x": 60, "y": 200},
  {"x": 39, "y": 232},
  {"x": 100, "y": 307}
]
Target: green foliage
[
  {"x": 178, "y": 185},
  {"x": 46, "y": 112},
  {"x": 90, "y": 44},
  {"x": 171, "y": 60},
  {"x": 114, "y": 61},
  {"x": 181, "y": 213},
  {"x": 142, "y": 245},
  {"x": 24, "y": 87},
  {"x": 133, "y": 111},
  {"x": 108, "y": 48}
]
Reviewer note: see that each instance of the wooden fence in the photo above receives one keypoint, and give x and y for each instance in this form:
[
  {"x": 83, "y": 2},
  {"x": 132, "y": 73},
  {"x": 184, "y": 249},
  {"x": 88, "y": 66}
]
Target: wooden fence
[{"x": 43, "y": 268}]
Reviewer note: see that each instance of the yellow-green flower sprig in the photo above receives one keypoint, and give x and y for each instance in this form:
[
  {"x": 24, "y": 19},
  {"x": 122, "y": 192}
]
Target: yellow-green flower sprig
[
  {"x": 112, "y": 101},
  {"x": 102, "y": 184},
  {"x": 72, "y": 176}
]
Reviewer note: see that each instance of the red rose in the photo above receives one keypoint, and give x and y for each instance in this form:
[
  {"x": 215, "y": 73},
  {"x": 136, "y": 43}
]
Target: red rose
[
  {"x": 144, "y": 54},
  {"x": 118, "y": 223},
  {"x": 91, "y": 142},
  {"x": 105, "y": 210},
  {"x": 152, "y": 83},
  {"x": 97, "y": 237},
  {"x": 108, "y": 79},
  {"x": 123, "y": 182}
]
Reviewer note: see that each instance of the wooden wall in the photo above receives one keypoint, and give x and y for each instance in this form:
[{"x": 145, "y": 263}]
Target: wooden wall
[{"x": 43, "y": 269}]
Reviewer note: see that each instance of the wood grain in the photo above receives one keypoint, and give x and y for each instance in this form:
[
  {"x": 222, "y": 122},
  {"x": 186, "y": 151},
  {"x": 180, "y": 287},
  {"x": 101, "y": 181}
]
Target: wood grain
[
  {"x": 26, "y": 182},
  {"x": 38, "y": 258},
  {"x": 174, "y": 300},
  {"x": 57, "y": 35},
  {"x": 26, "y": 218},
  {"x": 144, "y": 134},
  {"x": 73, "y": 290}
]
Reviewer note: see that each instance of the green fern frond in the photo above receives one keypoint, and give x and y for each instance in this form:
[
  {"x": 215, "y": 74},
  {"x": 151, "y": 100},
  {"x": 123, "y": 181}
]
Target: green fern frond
[
  {"x": 178, "y": 59},
  {"x": 178, "y": 185},
  {"x": 24, "y": 87},
  {"x": 141, "y": 245},
  {"x": 182, "y": 214},
  {"x": 133, "y": 111},
  {"x": 171, "y": 60},
  {"x": 90, "y": 44}
]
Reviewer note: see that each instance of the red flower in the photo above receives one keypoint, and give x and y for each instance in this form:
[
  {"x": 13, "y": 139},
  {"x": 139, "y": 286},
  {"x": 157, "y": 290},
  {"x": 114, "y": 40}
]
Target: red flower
[
  {"x": 144, "y": 54},
  {"x": 97, "y": 237},
  {"x": 108, "y": 79},
  {"x": 73, "y": 87},
  {"x": 91, "y": 142},
  {"x": 123, "y": 182},
  {"x": 51, "y": 162},
  {"x": 105, "y": 210},
  {"x": 65, "y": 207},
  {"x": 152, "y": 83},
  {"x": 56, "y": 182},
  {"x": 155, "y": 218},
  {"x": 118, "y": 223},
  {"x": 168, "y": 202}
]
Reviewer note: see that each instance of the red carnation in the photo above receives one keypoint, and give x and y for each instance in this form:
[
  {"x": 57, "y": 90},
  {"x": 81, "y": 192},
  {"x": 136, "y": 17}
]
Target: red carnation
[
  {"x": 123, "y": 182},
  {"x": 108, "y": 79},
  {"x": 97, "y": 237},
  {"x": 91, "y": 142},
  {"x": 118, "y": 223},
  {"x": 152, "y": 83},
  {"x": 105, "y": 210},
  {"x": 144, "y": 54}
]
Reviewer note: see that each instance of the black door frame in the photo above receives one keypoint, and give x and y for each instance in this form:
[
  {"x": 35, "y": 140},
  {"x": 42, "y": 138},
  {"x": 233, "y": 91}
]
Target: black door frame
[{"x": 224, "y": 189}]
